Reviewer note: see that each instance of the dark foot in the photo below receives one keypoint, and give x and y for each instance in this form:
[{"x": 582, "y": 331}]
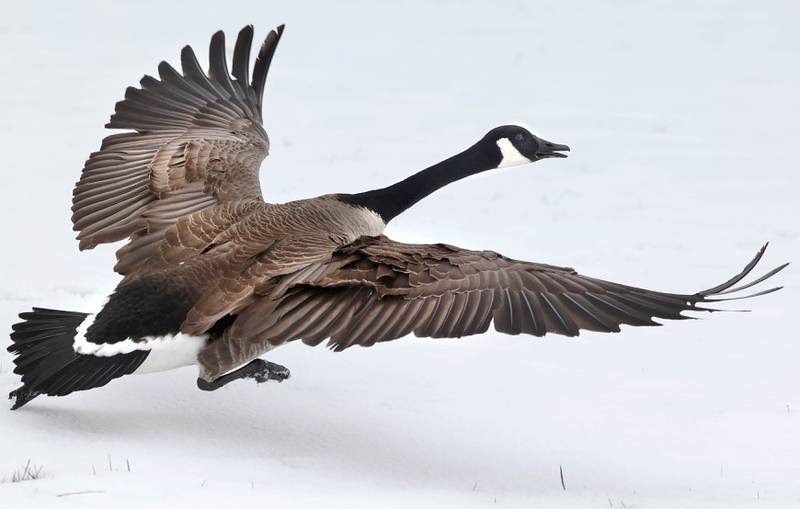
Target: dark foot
[
  {"x": 22, "y": 396},
  {"x": 259, "y": 370}
]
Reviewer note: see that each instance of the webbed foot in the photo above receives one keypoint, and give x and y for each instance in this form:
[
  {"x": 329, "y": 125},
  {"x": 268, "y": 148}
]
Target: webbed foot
[{"x": 258, "y": 369}]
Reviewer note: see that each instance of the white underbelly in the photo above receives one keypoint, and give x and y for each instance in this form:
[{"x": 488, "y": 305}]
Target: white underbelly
[
  {"x": 170, "y": 352},
  {"x": 165, "y": 352}
]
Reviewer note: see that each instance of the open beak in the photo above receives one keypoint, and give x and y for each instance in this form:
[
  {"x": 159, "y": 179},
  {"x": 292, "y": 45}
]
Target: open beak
[{"x": 549, "y": 149}]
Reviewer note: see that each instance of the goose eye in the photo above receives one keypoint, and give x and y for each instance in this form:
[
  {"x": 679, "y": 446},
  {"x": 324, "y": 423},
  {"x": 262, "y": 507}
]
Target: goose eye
[{"x": 519, "y": 137}]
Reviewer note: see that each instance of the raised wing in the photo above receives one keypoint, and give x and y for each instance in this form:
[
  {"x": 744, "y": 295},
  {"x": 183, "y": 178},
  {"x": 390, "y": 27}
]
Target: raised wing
[
  {"x": 379, "y": 290},
  {"x": 197, "y": 141}
]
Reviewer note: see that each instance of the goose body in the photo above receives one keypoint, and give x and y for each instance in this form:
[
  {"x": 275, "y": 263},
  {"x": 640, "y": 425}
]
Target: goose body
[{"x": 215, "y": 276}]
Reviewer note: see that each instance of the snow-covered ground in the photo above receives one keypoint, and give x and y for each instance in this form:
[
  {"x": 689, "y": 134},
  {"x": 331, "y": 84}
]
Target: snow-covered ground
[{"x": 683, "y": 121}]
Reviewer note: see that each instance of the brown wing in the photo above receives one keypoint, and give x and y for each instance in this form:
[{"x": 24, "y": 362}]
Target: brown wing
[
  {"x": 274, "y": 244},
  {"x": 379, "y": 290},
  {"x": 197, "y": 141}
]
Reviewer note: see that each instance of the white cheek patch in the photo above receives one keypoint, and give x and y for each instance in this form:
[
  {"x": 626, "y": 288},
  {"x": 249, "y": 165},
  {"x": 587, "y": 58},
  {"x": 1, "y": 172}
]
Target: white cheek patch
[
  {"x": 511, "y": 156},
  {"x": 166, "y": 352}
]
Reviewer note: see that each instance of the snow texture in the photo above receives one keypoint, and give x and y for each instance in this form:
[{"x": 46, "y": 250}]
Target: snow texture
[{"x": 682, "y": 119}]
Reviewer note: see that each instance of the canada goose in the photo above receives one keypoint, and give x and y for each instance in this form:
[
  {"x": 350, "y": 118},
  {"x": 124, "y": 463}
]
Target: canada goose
[{"x": 214, "y": 276}]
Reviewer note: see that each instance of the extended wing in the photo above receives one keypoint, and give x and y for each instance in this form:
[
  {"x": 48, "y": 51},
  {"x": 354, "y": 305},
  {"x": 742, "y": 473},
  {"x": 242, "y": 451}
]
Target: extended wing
[
  {"x": 196, "y": 142},
  {"x": 379, "y": 290}
]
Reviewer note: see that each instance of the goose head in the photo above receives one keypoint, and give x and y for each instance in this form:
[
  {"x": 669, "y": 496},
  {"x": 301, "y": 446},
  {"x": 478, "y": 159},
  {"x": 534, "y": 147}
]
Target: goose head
[{"x": 512, "y": 145}]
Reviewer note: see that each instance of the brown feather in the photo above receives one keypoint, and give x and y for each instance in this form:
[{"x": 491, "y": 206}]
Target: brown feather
[
  {"x": 377, "y": 290},
  {"x": 190, "y": 127}
]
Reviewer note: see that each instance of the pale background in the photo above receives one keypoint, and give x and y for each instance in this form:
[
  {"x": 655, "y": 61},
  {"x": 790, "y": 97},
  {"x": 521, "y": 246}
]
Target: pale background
[{"x": 683, "y": 122}]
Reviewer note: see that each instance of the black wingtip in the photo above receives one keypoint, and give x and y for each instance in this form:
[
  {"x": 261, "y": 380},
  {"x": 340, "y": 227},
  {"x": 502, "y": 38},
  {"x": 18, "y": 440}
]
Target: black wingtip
[
  {"x": 217, "y": 42},
  {"x": 21, "y": 397},
  {"x": 264, "y": 60},
  {"x": 241, "y": 55},
  {"x": 247, "y": 32},
  {"x": 188, "y": 58},
  {"x": 218, "y": 64},
  {"x": 754, "y": 282},
  {"x": 728, "y": 288},
  {"x": 738, "y": 277},
  {"x": 748, "y": 296}
]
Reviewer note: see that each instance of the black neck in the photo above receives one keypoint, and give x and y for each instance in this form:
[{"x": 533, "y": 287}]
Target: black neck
[{"x": 389, "y": 202}]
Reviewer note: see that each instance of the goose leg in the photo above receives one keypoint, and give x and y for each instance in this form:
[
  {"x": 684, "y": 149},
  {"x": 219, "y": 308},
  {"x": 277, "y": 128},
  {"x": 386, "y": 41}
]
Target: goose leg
[{"x": 259, "y": 370}]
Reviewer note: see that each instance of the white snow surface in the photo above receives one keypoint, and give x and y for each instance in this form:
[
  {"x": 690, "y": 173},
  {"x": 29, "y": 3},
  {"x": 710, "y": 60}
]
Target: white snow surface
[{"x": 682, "y": 119}]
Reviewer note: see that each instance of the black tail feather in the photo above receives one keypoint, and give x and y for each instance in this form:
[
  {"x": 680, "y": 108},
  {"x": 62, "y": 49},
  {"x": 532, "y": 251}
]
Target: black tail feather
[{"x": 43, "y": 345}]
